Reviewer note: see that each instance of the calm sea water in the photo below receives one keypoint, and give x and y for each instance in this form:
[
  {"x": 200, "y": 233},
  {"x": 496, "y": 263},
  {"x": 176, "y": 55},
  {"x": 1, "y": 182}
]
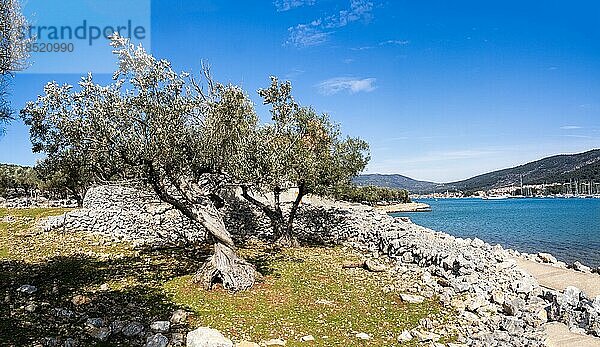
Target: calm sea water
[{"x": 567, "y": 228}]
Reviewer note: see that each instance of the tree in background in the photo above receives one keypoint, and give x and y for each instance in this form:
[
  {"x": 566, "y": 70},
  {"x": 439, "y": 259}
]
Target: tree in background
[
  {"x": 161, "y": 129},
  {"x": 19, "y": 181},
  {"x": 59, "y": 128},
  {"x": 66, "y": 174},
  {"x": 13, "y": 52},
  {"x": 300, "y": 149},
  {"x": 370, "y": 194}
]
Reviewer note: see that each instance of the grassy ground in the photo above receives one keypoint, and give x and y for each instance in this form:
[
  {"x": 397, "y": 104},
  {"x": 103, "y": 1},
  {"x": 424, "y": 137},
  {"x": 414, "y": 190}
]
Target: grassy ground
[{"x": 304, "y": 291}]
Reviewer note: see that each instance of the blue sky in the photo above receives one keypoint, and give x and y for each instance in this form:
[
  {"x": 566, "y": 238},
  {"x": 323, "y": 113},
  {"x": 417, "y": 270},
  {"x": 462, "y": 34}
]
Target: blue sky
[{"x": 441, "y": 90}]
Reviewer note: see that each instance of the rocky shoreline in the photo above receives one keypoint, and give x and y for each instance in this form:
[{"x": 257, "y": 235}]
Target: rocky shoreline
[{"x": 498, "y": 303}]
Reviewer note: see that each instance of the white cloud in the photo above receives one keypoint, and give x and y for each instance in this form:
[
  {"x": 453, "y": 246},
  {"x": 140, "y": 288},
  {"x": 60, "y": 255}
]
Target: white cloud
[
  {"x": 349, "y": 84},
  {"x": 359, "y": 10},
  {"x": 394, "y": 42},
  {"x": 294, "y": 73},
  {"x": 570, "y": 127},
  {"x": 318, "y": 31},
  {"x": 286, "y": 5},
  {"x": 579, "y": 136},
  {"x": 306, "y": 35}
]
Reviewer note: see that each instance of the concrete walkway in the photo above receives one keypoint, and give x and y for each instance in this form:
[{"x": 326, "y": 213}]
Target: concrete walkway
[
  {"x": 551, "y": 277},
  {"x": 558, "y": 279},
  {"x": 560, "y": 336}
]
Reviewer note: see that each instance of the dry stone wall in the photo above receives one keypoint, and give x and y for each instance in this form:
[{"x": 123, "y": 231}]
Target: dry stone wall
[{"x": 125, "y": 213}]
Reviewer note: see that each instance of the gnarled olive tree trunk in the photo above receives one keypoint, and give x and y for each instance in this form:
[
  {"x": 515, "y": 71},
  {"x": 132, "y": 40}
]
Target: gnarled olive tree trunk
[
  {"x": 287, "y": 237},
  {"x": 224, "y": 266}
]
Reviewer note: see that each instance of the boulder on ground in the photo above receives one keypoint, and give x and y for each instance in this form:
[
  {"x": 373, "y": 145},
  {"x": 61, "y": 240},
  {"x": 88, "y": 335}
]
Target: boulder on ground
[
  {"x": 547, "y": 258},
  {"x": 363, "y": 336},
  {"x": 27, "y": 289},
  {"x": 132, "y": 329},
  {"x": 405, "y": 336},
  {"x": 374, "y": 266},
  {"x": 207, "y": 337},
  {"x": 412, "y": 299},
  {"x": 157, "y": 340},
  {"x": 179, "y": 317},
  {"x": 160, "y": 326},
  {"x": 307, "y": 338},
  {"x": 580, "y": 267}
]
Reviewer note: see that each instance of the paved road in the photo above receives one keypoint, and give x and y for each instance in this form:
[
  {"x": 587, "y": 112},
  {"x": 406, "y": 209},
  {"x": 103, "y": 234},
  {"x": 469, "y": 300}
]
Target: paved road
[
  {"x": 558, "y": 279},
  {"x": 555, "y": 278}
]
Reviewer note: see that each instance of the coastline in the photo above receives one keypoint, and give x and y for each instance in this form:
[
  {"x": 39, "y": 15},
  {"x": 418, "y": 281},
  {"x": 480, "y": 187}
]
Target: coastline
[
  {"x": 404, "y": 207},
  {"x": 566, "y": 228}
]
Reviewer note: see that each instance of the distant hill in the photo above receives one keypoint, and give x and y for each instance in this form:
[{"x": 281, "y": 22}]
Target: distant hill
[
  {"x": 555, "y": 169},
  {"x": 558, "y": 168},
  {"x": 396, "y": 181}
]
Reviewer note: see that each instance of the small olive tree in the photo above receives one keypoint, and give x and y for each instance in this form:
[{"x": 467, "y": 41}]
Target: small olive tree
[
  {"x": 13, "y": 52},
  {"x": 299, "y": 149},
  {"x": 67, "y": 173},
  {"x": 18, "y": 181},
  {"x": 60, "y": 129},
  {"x": 162, "y": 129}
]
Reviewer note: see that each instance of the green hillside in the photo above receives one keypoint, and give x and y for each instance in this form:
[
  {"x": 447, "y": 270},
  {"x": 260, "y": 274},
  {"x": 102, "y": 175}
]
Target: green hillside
[{"x": 556, "y": 169}]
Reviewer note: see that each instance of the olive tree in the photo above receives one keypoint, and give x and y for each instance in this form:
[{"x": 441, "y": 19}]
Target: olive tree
[
  {"x": 299, "y": 149},
  {"x": 166, "y": 131},
  {"x": 18, "y": 181},
  {"x": 13, "y": 49},
  {"x": 60, "y": 129},
  {"x": 67, "y": 172}
]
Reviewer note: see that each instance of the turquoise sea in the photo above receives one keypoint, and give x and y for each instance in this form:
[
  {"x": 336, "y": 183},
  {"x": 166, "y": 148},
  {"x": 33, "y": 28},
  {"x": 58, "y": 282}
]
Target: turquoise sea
[{"x": 567, "y": 228}]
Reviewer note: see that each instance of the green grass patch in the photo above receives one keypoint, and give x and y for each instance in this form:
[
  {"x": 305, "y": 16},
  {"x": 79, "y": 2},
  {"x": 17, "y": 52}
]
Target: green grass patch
[{"x": 306, "y": 292}]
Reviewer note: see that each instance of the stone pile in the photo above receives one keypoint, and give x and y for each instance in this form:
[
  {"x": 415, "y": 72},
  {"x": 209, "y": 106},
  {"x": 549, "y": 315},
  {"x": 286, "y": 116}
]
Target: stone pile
[
  {"x": 125, "y": 213},
  {"x": 40, "y": 202},
  {"x": 573, "y": 307},
  {"x": 157, "y": 334},
  {"x": 497, "y": 303}
]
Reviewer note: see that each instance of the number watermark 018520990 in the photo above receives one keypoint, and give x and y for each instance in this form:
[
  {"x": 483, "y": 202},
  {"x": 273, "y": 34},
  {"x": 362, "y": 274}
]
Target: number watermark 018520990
[{"x": 72, "y": 36}]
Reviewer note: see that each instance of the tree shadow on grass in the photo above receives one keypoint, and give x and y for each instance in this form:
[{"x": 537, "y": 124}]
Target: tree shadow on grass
[{"x": 50, "y": 317}]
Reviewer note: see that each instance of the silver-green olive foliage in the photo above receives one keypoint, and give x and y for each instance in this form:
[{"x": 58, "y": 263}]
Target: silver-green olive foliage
[
  {"x": 13, "y": 49},
  {"x": 300, "y": 149},
  {"x": 60, "y": 129},
  {"x": 13, "y": 41},
  {"x": 161, "y": 128}
]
